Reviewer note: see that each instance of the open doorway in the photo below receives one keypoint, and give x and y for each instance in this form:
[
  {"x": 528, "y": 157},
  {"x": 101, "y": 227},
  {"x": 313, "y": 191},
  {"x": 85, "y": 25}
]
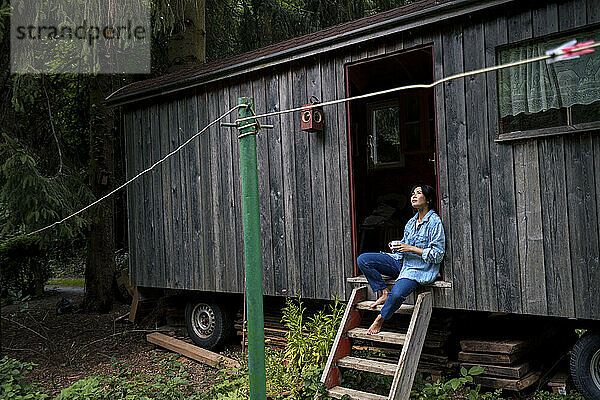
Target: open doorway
[{"x": 393, "y": 142}]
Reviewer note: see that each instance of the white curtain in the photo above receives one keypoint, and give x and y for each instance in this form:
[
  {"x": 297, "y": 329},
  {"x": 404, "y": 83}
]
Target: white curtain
[{"x": 536, "y": 87}]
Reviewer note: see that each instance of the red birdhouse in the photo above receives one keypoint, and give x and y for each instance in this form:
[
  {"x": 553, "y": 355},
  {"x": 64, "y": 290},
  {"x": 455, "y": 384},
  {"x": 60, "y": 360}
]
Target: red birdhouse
[{"x": 312, "y": 118}]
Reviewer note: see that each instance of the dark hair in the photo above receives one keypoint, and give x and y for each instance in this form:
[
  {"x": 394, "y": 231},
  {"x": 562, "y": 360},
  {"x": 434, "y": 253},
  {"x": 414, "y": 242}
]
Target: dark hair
[{"x": 428, "y": 192}]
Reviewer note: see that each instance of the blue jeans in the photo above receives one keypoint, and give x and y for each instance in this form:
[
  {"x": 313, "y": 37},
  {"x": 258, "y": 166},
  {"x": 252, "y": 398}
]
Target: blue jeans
[{"x": 373, "y": 265}]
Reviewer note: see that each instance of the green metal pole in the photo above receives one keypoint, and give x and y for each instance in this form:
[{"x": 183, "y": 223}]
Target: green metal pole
[{"x": 253, "y": 261}]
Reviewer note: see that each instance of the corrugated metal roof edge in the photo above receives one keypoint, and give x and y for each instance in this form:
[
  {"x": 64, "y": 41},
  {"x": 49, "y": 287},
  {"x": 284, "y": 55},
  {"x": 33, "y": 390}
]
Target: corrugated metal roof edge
[{"x": 269, "y": 60}]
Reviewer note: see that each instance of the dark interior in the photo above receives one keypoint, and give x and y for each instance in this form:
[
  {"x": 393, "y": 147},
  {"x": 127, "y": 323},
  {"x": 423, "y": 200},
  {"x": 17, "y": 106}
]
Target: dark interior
[{"x": 393, "y": 143}]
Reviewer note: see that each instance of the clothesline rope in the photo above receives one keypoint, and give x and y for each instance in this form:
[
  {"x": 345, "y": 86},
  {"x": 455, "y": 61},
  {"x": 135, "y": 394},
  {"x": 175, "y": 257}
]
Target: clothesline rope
[
  {"x": 138, "y": 175},
  {"x": 327, "y": 103},
  {"x": 421, "y": 86}
]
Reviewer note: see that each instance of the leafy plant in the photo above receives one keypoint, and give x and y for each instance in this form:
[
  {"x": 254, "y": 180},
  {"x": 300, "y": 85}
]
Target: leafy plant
[
  {"x": 170, "y": 384},
  {"x": 309, "y": 340},
  {"x": 12, "y": 385},
  {"x": 376, "y": 383},
  {"x": 236, "y": 385},
  {"x": 543, "y": 395},
  {"x": 456, "y": 388}
]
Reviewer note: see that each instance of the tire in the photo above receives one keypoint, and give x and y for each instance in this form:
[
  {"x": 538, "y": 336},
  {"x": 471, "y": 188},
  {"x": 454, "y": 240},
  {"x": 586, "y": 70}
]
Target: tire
[
  {"x": 585, "y": 365},
  {"x": 207, "y": 323}
]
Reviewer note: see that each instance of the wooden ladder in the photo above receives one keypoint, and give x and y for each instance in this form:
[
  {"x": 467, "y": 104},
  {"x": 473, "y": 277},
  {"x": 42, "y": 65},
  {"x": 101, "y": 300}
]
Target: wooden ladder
[{"x": 412, "y": 343}]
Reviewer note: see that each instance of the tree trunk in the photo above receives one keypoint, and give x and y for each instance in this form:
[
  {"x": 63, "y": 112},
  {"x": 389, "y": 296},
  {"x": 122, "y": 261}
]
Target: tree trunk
[
  {"x": 187, "y": 44},
  {"x": 100, "y": 271}
]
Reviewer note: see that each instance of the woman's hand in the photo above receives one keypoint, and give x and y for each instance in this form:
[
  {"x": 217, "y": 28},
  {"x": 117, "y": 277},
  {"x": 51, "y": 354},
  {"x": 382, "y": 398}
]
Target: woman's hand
[{"x": 406, "y": 248}]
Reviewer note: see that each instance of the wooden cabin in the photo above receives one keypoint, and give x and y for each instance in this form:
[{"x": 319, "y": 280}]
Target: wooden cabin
[{"x": 515, "y": 161}]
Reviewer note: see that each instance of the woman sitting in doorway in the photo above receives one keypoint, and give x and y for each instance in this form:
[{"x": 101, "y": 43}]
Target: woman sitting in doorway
[{"x": 414, "y": 260}]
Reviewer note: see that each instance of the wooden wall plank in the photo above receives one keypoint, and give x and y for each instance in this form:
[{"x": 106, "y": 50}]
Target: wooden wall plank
[
  {"x": 157, "y": 198},
  {"x": 175, "y": 189},
  {"x": 264, "y": 187},
  {"x": 166, "y": 193},
  {"x": 529, "y": 227},
  {"x": 150, "y": 237},
  {"x": 581, "y": 197},
  {"x": 199, "y": 194},
  {"x": 394, "y": 44},
  {"x": 595, "y": 268},
  {"x": 182, "y": 276},
  {"x": 129, "y": 128},
  {"x": 593, "y": 16},
  {"x": 346, "y": 256},
  {"x": 545, "y": 19},
  {"x": 276, "y": 193},
  {"x": 205, "y": 193},
  {"x": 324, "y": 266},
  {"x": 479, "y": 171},
  {"x": 375, "y": 48},
  {"x": 462, "y": 253},
  {"x": 332, "y": 182},
  {"x": 572, "y": 14},
  {"x": 303, "y": 196},
  {"x": 289, "y": 182},
  {"x": 583, "y": 227},
  {"x": 192, "y": 153},
  {"x": 555, "y": 220},
  {"x": 593, "y": 11},
  {"x": 137, "y": 214},
  {"x": 359, "y": 52},
  {"x": 244, "y": 89},
  {"x": 527, "y": 192},
  {"x": 502, "y": 180},
  {"x": 412, "y": 38},
  {"x": 226, "y": 137},
  {"x": 443, "y": 298},
  {"x": 218, "y": 245}
]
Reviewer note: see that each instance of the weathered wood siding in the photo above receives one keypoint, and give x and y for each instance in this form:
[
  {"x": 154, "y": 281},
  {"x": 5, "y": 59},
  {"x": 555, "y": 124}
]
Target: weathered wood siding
[
  {"x": 521, "y": 217},
  {"x": 185, "y": 219},
  {"x": 523, "y": 233}
]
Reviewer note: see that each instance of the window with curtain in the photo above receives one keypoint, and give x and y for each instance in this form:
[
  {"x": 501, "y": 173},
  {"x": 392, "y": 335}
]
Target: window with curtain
[{"x": 538, "y": 95}]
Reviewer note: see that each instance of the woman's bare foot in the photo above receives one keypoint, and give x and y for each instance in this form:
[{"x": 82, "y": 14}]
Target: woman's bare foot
[
  {"x": 381, "y": 299},
  {"x": 376, "y": 325}
]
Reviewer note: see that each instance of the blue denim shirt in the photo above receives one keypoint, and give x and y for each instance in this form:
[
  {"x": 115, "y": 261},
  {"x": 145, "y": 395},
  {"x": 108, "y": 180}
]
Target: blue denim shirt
[{"x": 429, "y": 236}]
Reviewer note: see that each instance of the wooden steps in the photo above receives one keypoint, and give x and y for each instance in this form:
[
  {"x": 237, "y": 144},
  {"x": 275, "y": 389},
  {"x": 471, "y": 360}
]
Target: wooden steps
[
  {"x": 383, "y": 337},
  {"x": 338, "y": 392},
  {"x": 403, "y": 371},
  {"x": 366, "y": 305},
  {"x": 361, "y": 364}
]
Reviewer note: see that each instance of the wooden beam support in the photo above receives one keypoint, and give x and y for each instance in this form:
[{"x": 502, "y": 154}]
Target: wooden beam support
[{"x": 191, "y": 351}]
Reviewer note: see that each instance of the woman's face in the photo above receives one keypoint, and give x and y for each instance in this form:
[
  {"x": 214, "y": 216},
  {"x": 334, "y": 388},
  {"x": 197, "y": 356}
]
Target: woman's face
[{"x": 417, "y": 199}]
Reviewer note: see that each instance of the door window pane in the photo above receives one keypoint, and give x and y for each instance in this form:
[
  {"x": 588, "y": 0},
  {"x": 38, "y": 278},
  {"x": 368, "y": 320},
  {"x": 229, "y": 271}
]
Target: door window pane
[{"x": 386, "y": 133}]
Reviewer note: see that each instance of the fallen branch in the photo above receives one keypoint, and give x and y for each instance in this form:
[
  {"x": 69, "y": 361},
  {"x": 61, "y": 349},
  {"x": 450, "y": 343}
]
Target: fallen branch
[
  {"x": 108, "y": 337},
  {"x": 26, "y": 327}
]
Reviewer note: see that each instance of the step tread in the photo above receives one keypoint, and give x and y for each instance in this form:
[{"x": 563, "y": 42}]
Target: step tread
[
  {"x": 366, "y": 305},
  {"x": 361, "y": 364},
  {"x": 385, "y": 337},
  {"x": 391, "y": 281},
  {"x": 338, "y": 392}
]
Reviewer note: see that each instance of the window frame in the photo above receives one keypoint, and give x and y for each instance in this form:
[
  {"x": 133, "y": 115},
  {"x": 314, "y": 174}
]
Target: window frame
[
  {"x": 547, "y": 131},
  {"x": 372, "y": 145}
]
